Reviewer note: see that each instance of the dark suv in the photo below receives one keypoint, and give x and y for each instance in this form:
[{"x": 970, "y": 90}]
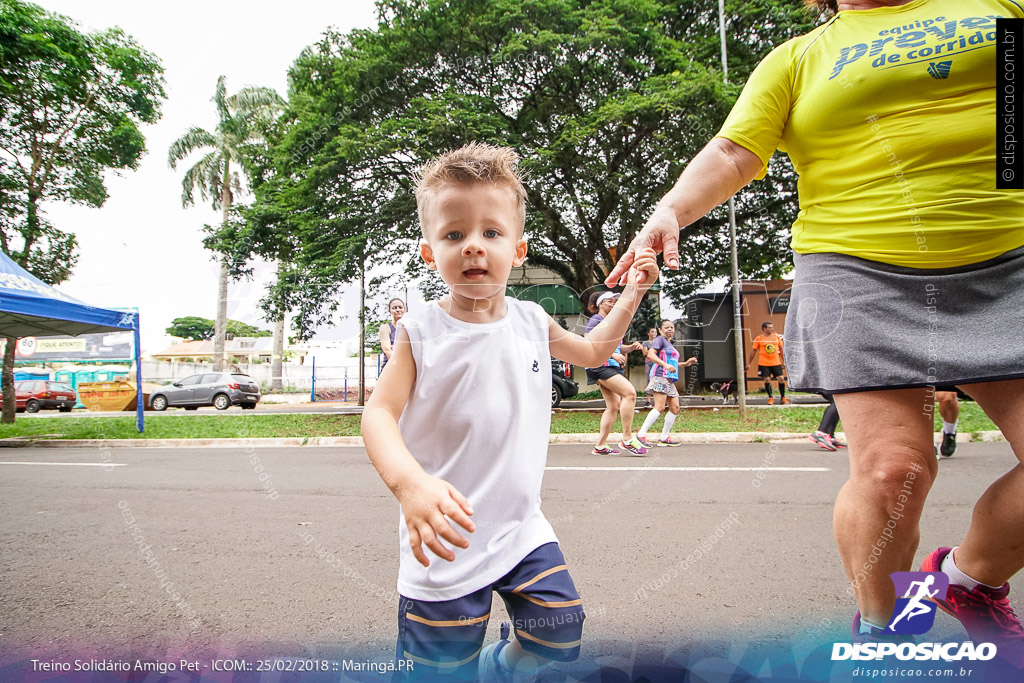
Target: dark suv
[
  {"x": 218, "y": 389},
  {"x": 562, "y": 385}
]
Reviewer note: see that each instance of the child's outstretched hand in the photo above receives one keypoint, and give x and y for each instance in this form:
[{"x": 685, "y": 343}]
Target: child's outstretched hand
[
  {"x": 428, "y": 505},
  {"x": 646, "y": 262}
]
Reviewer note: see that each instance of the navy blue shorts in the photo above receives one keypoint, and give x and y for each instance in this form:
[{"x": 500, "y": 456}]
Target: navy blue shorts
[{"x": 444, "y": 639}]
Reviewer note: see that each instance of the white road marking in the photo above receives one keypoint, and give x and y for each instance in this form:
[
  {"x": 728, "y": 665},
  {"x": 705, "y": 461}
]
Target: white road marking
[
  {"x": 76, "y": 464},
  {"x": 689, "y": 469}
]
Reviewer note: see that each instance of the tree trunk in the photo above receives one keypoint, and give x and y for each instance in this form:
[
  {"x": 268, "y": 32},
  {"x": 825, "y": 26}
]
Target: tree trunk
[
  {"x": 9, "y": 407},
  {"x": 277, "y": 359},
  {"x": 220, "y": 325},
  {"x": 8, "y": 381}
]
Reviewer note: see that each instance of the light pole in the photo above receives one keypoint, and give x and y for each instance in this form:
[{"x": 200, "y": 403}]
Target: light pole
[{"x": 737, "y": 335}]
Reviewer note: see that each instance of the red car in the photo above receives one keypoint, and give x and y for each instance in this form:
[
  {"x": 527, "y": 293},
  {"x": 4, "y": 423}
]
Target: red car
[{"x": 32, "y": 395}]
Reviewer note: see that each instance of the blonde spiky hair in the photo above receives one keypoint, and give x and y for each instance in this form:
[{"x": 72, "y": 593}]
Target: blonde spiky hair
[
  {"x": 476, "y": 162},
  {"x": 822, "y": 5}
]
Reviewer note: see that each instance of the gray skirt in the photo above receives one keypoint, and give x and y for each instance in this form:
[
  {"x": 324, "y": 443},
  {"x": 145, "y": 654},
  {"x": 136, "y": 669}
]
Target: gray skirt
[{"x": 859, "y": 325}]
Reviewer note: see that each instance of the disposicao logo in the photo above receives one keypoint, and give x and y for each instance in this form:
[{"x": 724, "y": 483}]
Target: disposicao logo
[{"x": 914, "y": 614}]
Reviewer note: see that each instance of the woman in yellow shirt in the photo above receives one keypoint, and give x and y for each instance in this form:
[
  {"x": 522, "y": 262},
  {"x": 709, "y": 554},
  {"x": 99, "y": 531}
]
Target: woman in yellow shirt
[{"x": 909, "y": 273}]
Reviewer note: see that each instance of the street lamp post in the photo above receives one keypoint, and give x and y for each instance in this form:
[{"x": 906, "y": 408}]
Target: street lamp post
[{"x": 741, "y": 380}]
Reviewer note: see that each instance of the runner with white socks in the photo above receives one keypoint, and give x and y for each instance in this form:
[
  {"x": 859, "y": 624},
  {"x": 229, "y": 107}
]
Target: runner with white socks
[{"x": 664, "y": 372}]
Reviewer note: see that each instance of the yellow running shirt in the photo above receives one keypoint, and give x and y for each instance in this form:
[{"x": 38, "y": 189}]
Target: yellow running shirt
[{"x": 889, "y": 117}]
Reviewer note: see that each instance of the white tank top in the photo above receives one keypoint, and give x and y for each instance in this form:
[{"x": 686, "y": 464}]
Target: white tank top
[{"x": 478, "y": 417}]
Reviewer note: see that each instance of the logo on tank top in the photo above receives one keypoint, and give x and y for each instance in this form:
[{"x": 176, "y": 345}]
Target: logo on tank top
[{"x": 536, "y": 368}]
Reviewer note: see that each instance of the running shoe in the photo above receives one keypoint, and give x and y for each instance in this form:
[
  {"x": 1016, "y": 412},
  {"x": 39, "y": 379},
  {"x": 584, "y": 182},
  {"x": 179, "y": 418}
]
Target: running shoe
[
  {"x": 876, "y": 635},
  {"x": 984, "y": 612},
  {"x": 669, "y": 442},
  {"x": 822, "y": 439},
  {"x": 785, "y": 401},
  {"x": 948, "y": 447},
  {"x": 633, "y": 447},
  {"x": 836, "y": 441},
  {"x": 604, "y": 450},
  {"x": 771, "y": 401},
  {"x": 488, "y": 668},
  {"x": 644, "y": 442}
]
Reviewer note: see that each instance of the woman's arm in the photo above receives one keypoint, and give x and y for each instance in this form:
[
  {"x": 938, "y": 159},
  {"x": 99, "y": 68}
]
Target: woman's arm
[
  {"x": 652, "y": 355},
  {"x": 719, "y": 171},
  {"x": 385, "y": 340}
]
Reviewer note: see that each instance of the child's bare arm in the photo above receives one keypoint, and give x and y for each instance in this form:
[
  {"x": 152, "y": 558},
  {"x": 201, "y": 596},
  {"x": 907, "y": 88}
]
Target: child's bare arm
[
  {"x": 425, "y": 500},
  {"x": 596, "y": 347}
]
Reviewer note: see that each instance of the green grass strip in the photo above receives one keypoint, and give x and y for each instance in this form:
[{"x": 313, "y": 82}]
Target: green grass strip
[{"x": 254, "y": 425}]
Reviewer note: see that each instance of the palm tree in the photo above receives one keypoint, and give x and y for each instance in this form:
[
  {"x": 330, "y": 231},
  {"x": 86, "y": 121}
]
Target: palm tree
[{"x": 242, "y": 120}]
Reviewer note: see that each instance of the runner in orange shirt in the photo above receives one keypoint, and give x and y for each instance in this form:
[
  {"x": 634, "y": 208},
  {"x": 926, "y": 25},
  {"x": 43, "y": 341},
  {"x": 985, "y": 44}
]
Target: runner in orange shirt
[{"x": 768, "y": 349}]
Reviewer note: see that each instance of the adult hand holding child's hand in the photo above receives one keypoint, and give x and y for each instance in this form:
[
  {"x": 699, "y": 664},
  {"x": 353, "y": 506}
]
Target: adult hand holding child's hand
[
  {"x": 428, "y": 504},
  {"x": 643, "y": 271},
  {"x": 660, "y": 233}
]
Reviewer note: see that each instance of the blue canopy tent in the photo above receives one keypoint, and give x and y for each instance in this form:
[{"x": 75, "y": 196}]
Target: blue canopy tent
[{"x": 30, "y": 307}]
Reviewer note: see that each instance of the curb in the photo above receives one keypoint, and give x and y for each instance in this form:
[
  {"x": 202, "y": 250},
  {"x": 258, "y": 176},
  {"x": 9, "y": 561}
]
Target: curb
[{"x": 357, "y": 441}]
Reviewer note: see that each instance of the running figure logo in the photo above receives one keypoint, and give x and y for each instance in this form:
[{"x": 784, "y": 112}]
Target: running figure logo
[{"x": 914, "y": 613}]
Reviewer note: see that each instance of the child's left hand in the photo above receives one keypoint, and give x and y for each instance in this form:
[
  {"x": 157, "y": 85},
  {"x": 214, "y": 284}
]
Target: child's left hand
[{"x": 646, "y": 262}]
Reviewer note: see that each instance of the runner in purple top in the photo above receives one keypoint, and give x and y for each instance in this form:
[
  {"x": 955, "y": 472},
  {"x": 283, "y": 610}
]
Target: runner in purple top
[
  {"x": 652, "y": 334},
  {"x": 618, "y": 392},
  {"x": 396, "y": 307},
  {"x": 664, "y": 372}
]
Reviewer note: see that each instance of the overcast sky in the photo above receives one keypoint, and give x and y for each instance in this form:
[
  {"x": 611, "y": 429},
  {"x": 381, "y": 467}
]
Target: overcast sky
[{"x": 142, "y": 248}]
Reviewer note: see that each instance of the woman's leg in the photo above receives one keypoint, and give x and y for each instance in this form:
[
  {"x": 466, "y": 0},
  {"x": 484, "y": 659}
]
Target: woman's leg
[
  {"x": 611, "y": 408},
  {"x": 673, "y": 411},
  {"x": 830, "y": 419},
  {"x": 878, "y": 510},
  {"x": 652, "y": 417},
  {"x": 993, "y": 549},
  {"x": 626, "y": 393}
]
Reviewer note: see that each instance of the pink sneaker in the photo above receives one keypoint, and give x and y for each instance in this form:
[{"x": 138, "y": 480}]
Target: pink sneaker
[
  {"x": 836, "y": 441},
  {"x": 985, "y": 613}
]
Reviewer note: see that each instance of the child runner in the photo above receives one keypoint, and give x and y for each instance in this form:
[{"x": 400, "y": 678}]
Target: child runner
[
  {"x": 664, "y": 373},
  {"x": 458, "y": 430}
]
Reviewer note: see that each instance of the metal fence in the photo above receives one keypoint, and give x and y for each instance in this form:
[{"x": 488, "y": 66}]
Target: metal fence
[{"x": 321, "y": 382}]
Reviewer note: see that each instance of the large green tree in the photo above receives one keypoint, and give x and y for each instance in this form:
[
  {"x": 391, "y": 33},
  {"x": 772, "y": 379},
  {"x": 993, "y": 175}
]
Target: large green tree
[
  {"x": 606, "y": 100},
  {"x": 71, "y": 107},
  {"x": 241, "y": 120},
  {"x": 195, "y": 328}
]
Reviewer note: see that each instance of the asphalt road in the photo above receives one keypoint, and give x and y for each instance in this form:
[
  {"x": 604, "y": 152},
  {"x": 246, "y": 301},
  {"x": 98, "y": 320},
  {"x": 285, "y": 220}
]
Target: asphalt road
[{"x": 308, "y": 568}]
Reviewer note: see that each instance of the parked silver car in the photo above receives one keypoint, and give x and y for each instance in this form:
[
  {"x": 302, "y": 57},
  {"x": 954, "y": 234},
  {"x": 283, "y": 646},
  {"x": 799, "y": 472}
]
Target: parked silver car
[{"x": 218, "y": 389}]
